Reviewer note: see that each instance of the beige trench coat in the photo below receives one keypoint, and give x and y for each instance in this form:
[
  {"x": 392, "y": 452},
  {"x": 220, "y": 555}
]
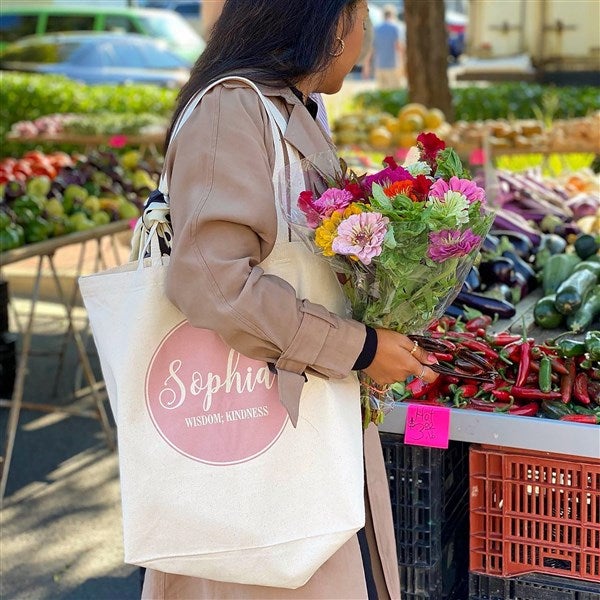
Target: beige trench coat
[{"x": 219, "y": 169}]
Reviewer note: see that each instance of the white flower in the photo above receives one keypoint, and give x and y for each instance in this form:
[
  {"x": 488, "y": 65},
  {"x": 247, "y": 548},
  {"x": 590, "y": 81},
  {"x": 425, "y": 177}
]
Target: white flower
[{"x": 448, "y": 212}]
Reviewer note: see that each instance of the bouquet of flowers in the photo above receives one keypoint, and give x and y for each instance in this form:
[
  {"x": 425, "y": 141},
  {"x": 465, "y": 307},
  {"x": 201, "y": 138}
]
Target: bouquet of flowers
[{"x": 402, "y": 241}]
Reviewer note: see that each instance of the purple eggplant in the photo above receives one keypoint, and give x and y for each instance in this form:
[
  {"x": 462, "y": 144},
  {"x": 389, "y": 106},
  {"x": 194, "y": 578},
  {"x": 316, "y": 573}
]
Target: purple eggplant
[
  {"x": 501, "y": 291},
  {"x": 522, "y": 268},
  {"x": 512, "y": 221},
  {"x": 486, "y": 304},
  {"x": 473, "y": 279},
  {"x": 519, "y": 241},
  {"x": 497, "y": 270},
  {"x": 490, "y": 243}
]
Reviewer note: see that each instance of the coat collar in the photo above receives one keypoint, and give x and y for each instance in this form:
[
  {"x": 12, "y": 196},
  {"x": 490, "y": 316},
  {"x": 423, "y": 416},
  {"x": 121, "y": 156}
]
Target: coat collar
[{"x": 302, "y": 131}]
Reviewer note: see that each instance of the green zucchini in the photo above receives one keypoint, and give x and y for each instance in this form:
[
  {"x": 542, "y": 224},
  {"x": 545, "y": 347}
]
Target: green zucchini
[
  {"x": 585, "y": 245},
  {"x": 590, "y": 265},
  {"x": 572, "y": 292},
  {"x": 557, "y": 268},
  {"x": 584, "y": 316},
  {"x": 545, "y": 314}
]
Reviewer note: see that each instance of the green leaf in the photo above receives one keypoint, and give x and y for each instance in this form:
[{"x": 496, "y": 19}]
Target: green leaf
[
  {"x": 380, "y": 201},
  {"x": 449, "y": 165}
]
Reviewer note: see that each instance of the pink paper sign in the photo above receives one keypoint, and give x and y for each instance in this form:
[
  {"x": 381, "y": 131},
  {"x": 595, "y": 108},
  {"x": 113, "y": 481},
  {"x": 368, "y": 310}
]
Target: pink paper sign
[{"x": 427, "y": 426}]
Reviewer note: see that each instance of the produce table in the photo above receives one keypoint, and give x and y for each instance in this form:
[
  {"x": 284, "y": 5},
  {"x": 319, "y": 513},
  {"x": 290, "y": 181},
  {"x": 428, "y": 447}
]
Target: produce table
[
  {"x": 148, "y": 141},
  {"x": 512, "y": 431},
  {"x": 45, "y": 254}
]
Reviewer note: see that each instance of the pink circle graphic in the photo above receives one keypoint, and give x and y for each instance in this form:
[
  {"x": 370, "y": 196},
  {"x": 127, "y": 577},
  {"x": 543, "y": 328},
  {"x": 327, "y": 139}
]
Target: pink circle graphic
[{"x": 208, "y": 401}]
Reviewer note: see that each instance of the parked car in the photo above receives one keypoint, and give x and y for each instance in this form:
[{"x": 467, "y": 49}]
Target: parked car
[
  {"x": 190, "y": 10},
  {"x": 20, "y": 19},
  {"x": 94, "y": 58}
]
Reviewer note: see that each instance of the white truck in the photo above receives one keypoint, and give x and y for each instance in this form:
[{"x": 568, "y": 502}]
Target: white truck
[{"x": 542, "y": 40}]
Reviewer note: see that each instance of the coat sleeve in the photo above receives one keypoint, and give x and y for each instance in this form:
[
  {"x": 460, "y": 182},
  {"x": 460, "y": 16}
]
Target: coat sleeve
[{"x": 224, "y": 222}]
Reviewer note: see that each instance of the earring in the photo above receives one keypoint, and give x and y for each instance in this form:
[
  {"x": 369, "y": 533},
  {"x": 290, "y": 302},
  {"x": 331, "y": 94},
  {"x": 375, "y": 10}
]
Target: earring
[{"x": 341, "y": 46}]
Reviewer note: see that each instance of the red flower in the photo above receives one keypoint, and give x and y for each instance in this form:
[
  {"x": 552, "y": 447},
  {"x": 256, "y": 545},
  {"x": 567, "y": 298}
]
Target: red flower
[
  {"x": 389, "y": 161},
  {"x": 429, "y": 145},
  {"x": 421, "y": 186},
  {"x": 355, "y": 190}
]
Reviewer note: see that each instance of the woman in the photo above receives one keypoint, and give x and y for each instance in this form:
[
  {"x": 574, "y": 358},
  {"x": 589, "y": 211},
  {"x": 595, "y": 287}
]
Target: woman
[{"x": 219, "y": 169}]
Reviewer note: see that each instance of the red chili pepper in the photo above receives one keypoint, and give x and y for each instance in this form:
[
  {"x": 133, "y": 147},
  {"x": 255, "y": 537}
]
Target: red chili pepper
[
  {"x": 510, "y": 353},
  {"x": 461, "y": 335},
  {"x": 592, "y": 419},
  {"x": 481, "y": 332},
  {"x": 524, "y": 362},
  {"x": 478, "y": 346},
  {"x": 526, "y": 410},
  {"x": 481, "y": 321},
  {"x": 502, "y": 395},
  {"x": 594, "y": 390},
  {"x": 468, "y": 390},
  {"x": 443, "y": 356},
  {"x": 525, "y": 393},
  {"x": 445, "y": 382},
  {"x": 567, "y": 381},
  {"x": 488, "y": 386},
  {"x": 558, "y": 366},
  {"x": 502, "y": 339},
  {"x": 416, "y": 387},
  {"x": 580, "y": 390},
  {"x": 487, "y": 406},
  {"x": 483, "y": 407}
]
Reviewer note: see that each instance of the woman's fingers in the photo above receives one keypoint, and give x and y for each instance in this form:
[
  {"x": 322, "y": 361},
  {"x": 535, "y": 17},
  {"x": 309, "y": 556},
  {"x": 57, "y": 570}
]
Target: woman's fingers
[{"x": 398, "y": 357}]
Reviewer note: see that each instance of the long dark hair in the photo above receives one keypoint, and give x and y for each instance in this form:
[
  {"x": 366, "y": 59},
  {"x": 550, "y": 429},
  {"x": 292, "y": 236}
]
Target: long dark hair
[{"x": 273, "y": 42}]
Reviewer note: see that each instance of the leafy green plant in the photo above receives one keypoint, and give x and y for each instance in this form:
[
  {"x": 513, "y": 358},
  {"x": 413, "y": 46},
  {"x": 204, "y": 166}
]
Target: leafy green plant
[
  {"x": 27, "y": 97},
  {"x": 515, "y": 100}
]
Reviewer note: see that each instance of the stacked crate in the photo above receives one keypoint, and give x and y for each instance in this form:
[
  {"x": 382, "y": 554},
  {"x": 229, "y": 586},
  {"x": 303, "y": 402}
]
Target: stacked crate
[
  {"x": 534, "y": 525},
  {"x": 430, "y": 506}
]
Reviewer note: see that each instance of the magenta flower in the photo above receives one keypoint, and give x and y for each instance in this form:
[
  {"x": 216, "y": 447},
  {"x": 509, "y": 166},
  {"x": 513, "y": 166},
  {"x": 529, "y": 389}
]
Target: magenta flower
[
  {"x": 451, "y": 243},
  {"x": 330, "y": 200},
  {"x": 385, "y": 177},
  {"x": 471, "y": 191},
  {"x": 361, "y": 235}
]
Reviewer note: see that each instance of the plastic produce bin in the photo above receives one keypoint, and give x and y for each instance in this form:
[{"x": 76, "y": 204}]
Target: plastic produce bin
[
  {"x": 430, "y": 507},
  {"x": 534, "y": 512},
  {"x": 530, "y": 587}
]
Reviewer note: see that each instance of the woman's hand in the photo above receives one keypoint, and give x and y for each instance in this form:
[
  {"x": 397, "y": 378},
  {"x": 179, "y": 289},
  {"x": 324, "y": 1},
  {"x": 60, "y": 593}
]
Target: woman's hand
[{"x": 397, "y": 357}]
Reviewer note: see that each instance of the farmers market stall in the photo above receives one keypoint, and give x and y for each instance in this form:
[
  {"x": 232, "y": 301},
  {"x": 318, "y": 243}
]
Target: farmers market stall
[
  {"x": 44, "y": 252},
  {"x": 512, "y": 431},
  {"x": 51, "y": 202}
]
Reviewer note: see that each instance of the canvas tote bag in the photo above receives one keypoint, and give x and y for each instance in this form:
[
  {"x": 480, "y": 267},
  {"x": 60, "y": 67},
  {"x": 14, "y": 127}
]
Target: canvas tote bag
[{"x": 215, "y": 480}]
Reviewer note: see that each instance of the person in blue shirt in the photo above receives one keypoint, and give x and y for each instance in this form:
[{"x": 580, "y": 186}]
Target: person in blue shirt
[{"x": 388, "y": 52}]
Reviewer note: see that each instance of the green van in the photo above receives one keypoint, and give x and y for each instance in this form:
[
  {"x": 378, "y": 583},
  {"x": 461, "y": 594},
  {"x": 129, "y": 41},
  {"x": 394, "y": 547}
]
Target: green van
[{"x": 17, "y": 21}]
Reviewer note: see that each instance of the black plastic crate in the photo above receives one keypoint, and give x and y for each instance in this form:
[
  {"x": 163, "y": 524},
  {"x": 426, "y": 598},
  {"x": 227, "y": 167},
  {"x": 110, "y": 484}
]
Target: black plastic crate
[
  {"x": 531, "y": 587},
  {"x": 430, "y": 506}
]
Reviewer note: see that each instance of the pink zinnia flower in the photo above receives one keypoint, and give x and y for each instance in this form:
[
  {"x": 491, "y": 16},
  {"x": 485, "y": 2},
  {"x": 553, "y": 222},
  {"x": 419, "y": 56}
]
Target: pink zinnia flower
[
  {"x": 471, "y": 191},
  {"x": 361, "y": 236},
  {"x": 451, "y": 243},
  {"x": 316, "y": 209}
]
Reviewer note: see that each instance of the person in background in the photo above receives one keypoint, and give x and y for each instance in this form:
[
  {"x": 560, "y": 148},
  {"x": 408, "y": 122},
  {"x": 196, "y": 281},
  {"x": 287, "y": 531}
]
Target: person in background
[
  {"x": 389, "y": 51},
  {"x": 211, "y": 9},
  {"x": 225, "y": 221}
]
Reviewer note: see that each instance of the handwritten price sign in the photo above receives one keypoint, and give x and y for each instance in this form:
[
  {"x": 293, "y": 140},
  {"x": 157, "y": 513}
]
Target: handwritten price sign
[{"x": 427, "y": 426}]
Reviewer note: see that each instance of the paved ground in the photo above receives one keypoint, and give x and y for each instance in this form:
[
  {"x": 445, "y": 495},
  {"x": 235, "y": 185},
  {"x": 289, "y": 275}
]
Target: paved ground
[{"x": 60, "y": 522}]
